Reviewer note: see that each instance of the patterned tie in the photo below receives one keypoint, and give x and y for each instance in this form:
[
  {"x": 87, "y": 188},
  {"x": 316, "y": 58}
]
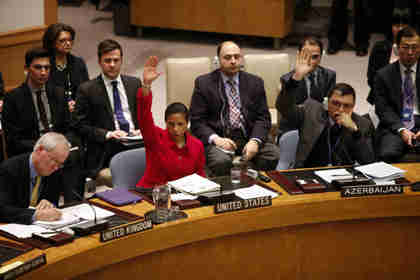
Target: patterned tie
[
  {"x": 35, "y": 192},
  {"x": 234, "y": 106},
  {"x": 42, "y": 111},
  {"x": 118, "y": 108},
  {"x": 408, "y": 100}
]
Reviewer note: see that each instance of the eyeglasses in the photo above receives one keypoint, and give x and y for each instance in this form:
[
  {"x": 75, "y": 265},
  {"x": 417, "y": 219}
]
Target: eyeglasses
[
  {"x": 40, "y": 67},
  {"x": 315, "y": 56},
  {"x": 409, "y": 47},
  {"x": 338, "y": 104},
  {"x": 56, "y": 163},
  {"x": 65, "y": 40}
]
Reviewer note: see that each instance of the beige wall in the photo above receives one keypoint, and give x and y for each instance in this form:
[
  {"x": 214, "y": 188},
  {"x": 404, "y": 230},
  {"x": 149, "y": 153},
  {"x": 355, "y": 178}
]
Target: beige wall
[{"x": 22, "y": 24}]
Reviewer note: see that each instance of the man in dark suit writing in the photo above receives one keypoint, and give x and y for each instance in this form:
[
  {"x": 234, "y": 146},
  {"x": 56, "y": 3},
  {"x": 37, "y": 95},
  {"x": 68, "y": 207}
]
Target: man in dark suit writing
[
  {"x": 229, "y": 114},
  {"x": 106, "y": 108},
  {"x": 30, "y": 179}
]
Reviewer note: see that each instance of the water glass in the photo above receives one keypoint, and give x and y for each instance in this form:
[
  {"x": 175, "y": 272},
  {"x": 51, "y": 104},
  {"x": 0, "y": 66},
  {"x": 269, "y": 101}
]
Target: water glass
[{"x": 162, "y": 200}]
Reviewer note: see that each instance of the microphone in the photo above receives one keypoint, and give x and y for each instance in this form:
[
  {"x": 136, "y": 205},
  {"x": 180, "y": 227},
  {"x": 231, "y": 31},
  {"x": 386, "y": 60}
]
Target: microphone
[{"x": 89, "y": 227}]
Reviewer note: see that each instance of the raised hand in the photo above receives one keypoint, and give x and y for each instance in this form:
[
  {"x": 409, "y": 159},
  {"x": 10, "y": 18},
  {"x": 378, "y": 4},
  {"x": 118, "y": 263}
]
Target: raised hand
[
  {"x": 150, "y": 73},
  {"x": 303, "y": 64}
]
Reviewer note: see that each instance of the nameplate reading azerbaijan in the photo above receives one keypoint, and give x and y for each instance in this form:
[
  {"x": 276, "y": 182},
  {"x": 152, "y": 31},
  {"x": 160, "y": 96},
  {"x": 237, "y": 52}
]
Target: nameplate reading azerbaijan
[
  {"x": 237, "y": 205},
  {"x": 367, "y": 190},
  {"x": 115, "y": 233},
  {"x": 24, "y": 268}
]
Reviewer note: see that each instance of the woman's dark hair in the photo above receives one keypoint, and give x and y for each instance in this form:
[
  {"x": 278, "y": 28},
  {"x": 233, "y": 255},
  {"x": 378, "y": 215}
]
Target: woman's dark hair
[
  {"x": 176, "y": 108},
  {"x": 52, "y": 33},
  {"x": 344, "y": 89}
]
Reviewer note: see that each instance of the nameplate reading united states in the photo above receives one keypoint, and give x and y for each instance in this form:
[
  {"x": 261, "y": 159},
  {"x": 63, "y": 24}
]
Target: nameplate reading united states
[
  {"x": 23, "y": 268},
  {"x": 372, "y": 190},
  {"x": 119, "y": 232},
  {"x": 237, "y": 205}
]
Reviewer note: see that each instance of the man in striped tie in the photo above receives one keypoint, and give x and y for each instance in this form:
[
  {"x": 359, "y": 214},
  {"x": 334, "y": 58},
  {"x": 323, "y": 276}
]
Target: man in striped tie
[
  {"x": 397, "y": 91},
  {"x": 30, "y": 182}
]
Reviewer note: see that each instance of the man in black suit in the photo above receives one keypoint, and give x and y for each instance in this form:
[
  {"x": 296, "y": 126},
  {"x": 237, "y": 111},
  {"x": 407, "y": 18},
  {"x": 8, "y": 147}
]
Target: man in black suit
[
  {"x": 35, "y": 108},
  {"x": 229, "y": 114},
  {"x": 316, "y": 84},
  {"x": 106, "y": 108},
  {"x": 397, "y": 91},
  {"x": 33, "y": 179}
]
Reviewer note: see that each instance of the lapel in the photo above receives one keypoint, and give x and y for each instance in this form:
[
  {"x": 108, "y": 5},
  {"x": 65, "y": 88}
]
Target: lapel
[
  {"x": 26, "y": 179},
  {"x": 418, "y": 83},
  {"x": 217, "y": 89},
  {"x": 243, "y": 93},
  {"x": 103, "y": 94},
  {"x": 29, "y": 106},
  {"x": 131, "y": 97},
  {"x": 52, "y": 101},
  {"x": 397, "y": 83}
]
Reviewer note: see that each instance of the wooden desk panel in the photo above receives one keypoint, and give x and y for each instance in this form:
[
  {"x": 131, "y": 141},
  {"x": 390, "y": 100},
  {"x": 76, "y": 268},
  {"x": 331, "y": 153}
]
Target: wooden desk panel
[
  {"x": 313, "y": 236},
  {"x": 269, "y": 18}
]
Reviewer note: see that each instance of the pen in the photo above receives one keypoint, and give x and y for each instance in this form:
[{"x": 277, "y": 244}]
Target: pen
[
  {"x": 48, "y": 232},
  {"x": 341, "y": 175}
]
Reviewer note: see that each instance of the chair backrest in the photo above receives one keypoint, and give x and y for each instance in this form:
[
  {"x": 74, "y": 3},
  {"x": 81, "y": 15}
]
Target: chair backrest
[
  {"x": 287, "y": 145},
  {"x": 270, "y": 67},
  {"x": 180, "y": 76},
  {"x": 128, "y": 167}
]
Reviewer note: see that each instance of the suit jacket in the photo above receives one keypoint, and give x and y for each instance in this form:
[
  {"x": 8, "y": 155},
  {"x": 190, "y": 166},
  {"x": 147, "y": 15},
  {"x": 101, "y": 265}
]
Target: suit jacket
[
  {"x": 326, "y": 79},
  {"x": 77, "y": 68},
  {"x": 20, "y": 120},
  {"x": 209, "y": 106},
  {"x": 15, "y": 190},
  {"x": 93, "y": 116},
  {"x": 311, "y": 118},
  {"x": 388, "y": 92},
  {"x": 379, "y": 58}
]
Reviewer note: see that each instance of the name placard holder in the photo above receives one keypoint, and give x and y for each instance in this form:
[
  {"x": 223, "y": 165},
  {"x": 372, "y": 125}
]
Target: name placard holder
[
  {"x": 24, "y": 268},
  {"x": 125, "y": 230},
  {"x": 237, "y": 205},
  {"x": 368, "y": 190}
]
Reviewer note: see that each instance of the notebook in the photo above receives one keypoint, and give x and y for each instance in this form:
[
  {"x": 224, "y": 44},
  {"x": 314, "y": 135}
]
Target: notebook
[{"x": 119, "y": 196}]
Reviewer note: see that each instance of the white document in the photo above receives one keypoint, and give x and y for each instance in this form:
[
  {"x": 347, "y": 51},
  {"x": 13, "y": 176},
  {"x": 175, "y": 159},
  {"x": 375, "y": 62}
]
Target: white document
[
  {"x": 182, "y": 196},
  {"x": 333, "y": 174},
  {"x": 132, "y": 138},
  {"x": 381, "y": 170},
  {"x": 67, "y": 218},
  {"x": 22, "y": 231},
  {"x": 84, "y": 211},
  {"x": 253, "y": 192},
  {"x": 194, "y": 184}
]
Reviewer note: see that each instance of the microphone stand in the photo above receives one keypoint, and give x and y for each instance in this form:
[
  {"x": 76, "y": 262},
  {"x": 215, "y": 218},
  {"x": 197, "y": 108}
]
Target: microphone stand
[{"x": 89, "y": 227}]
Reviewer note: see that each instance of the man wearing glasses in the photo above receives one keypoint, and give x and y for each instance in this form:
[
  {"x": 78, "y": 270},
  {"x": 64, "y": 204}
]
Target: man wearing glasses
[
  {"x": 316, "y": 84},
  {"x": 35, "y": 108},
  {"x": 332, "y": 136},
  {"x": 30, "y": 185},
  {"x": 397, "y": 92}
]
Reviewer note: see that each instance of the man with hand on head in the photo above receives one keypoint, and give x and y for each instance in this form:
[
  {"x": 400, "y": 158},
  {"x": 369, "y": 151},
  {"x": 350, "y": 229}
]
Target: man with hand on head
[
  {"x": 106, "y": 108},
  {"x": 29, "y": 183},
  {"x": 397, "y": 92},
  {"x": 229, "y": 114},
  {"x": 335, "y": 136}
]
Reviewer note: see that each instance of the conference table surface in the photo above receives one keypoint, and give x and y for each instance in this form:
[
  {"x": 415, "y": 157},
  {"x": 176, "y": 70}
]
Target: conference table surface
[{"x": 309, "y": 236}]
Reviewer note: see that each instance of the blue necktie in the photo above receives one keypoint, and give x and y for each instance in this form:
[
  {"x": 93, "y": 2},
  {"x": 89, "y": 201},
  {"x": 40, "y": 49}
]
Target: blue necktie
[{"x": 118, "y": 108}]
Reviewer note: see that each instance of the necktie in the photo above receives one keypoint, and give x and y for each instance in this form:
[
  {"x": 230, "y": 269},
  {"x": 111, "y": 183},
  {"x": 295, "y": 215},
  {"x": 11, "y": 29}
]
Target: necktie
[
  {"x": 42, "y": 111},
  {"x": 35, "y": 192},
  {"x": 118, "y": 108},
  {"x": 234, "y": 106},
  {"x": 408, "y": 100},
  {"x": 313, "y": 88}
]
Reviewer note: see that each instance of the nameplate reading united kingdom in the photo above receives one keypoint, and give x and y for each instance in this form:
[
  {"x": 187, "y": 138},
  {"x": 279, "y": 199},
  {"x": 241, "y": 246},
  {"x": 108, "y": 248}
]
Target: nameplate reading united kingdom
[
  {"x": 23, "y": 268},
  {"x": 368, "y": 190},
  {"x": 237, "y": 205},
  {"x": 119, "y": 232}
]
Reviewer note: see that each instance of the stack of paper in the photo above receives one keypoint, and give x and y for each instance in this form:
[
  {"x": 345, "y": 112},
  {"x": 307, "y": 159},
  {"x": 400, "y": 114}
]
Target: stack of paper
[
  {"x": 333, "y": 174},
  {"x": 254, "y": 191},
  {"x": 21, "y": 231},
  {"x": 381, "y": 171},
  {"x": 194, "y": 184}
]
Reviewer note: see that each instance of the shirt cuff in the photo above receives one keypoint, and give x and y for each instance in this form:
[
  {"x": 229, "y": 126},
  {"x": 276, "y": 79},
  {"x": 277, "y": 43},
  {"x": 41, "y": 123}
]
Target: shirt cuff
[
  {"x": 212, "y": 137},
  {"x": 258, "y": 140}
]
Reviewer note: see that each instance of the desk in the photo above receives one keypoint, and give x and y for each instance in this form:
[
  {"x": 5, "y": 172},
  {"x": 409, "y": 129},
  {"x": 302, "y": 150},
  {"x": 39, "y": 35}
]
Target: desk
[{"x": 312, "y": 236}]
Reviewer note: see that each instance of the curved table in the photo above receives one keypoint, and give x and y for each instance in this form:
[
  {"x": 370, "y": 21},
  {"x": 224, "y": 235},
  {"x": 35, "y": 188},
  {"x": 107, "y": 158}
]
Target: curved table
[{"x": 312, "y": 236}]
